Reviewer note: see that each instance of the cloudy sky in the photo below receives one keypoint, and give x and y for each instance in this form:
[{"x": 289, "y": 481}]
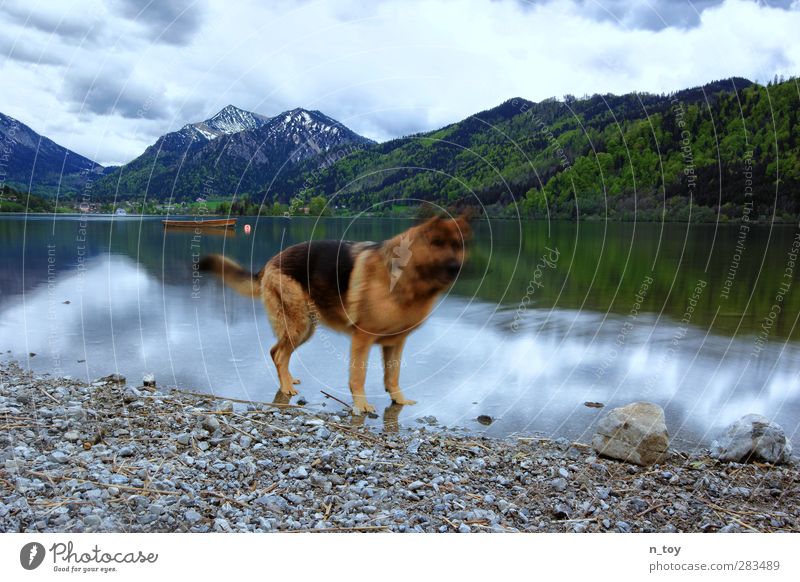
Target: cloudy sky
[{"x": 107, "y": 78}]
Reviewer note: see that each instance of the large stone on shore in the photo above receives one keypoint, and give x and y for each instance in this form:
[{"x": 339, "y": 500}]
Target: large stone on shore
[
  {"x": 635, "y": 433},
  {"x": 753, "y": 438}
]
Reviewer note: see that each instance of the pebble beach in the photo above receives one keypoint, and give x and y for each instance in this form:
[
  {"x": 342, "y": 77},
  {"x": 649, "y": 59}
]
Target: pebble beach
[{"x": 109, "y": 456}]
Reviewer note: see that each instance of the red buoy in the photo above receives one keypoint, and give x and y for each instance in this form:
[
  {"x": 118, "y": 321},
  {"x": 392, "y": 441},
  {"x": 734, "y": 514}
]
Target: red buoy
[{"x": 247, "y": 229}]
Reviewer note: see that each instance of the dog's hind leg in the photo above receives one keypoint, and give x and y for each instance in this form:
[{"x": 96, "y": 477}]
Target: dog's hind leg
[
  {"x": 302, "y": 340},
  {"x": 392, "y": 354},
  {"x": 281, "y": 352},
  {"x": 292, "y": 321}
]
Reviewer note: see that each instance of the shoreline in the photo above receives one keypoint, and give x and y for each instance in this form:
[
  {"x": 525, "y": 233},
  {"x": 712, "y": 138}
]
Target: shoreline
[
  {"x": 591, "y": 218},
  {"x": 107, "y": 456}
]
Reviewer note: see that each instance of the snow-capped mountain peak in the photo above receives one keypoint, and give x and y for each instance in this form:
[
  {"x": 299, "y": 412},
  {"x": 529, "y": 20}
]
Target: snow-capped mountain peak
[
  {"x": 320, "y": 131},
  {"x": 229, "y": 120},
  {"x": 242, "y": 151},
  {"x": 293, "y": 135}
]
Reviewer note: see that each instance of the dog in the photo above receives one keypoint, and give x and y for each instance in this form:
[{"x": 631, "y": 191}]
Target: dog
[{"x": 378, "y": 293}]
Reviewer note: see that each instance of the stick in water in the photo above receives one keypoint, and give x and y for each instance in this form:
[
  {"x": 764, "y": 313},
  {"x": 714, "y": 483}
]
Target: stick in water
[{"x": 336, "y": 399}]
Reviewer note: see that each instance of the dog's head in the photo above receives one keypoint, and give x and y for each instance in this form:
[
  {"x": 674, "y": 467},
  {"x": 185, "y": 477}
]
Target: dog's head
[{"x": 438, "y": 249}]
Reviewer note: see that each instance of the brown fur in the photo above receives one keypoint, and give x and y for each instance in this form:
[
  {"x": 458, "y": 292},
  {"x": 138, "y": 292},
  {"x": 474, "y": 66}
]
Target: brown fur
[
  {"x": 377, "y": 293},
  {"x": 231, "y": 273}
]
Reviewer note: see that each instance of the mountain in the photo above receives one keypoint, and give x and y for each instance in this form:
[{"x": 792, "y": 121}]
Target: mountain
[
  {"x": 235, "y": 151},
  {"x": 273, "y": 160},
  {"x": 635, "y": 156},
  {"x": 27, "y": 158},
  {"x": 155, "y": 170},
  {"x": 229, "y": 120}
]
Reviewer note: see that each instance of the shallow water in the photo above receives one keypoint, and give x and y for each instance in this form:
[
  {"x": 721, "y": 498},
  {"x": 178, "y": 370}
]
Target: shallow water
[{"x": 543, "y": 319}]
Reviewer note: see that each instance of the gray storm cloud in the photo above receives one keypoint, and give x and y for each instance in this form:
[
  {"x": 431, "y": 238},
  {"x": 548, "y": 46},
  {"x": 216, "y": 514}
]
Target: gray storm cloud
[{"x": 171, "y": 21}]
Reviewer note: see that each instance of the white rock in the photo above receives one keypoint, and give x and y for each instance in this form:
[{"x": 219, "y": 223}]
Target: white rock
[
  {"x": 753, "y": 438},
  {"x": 636, "y": 433}
]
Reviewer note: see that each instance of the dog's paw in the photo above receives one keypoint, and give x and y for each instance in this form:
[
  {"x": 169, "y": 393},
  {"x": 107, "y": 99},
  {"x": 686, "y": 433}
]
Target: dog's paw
[
  {"x": 362, "y": 407},
  {"x": 404, "y": 401},
  {"x": 289, "y": 391},
  {"x": 398, "y": 397},
  {"x": 295, "y": 380}
]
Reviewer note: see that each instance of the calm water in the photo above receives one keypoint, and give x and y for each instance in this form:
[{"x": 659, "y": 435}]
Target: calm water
[{"x": 543, "y": 319}]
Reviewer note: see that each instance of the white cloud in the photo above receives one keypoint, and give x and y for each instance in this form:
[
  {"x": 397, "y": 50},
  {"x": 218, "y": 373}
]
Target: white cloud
[{"x": 384, "y": 68}]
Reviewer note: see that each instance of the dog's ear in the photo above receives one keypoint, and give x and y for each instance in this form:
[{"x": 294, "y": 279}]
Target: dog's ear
[
  {"x": 426, "y": 211},
  {"x": 468, "y": 214},
  {"x": 463, "y": 220}
]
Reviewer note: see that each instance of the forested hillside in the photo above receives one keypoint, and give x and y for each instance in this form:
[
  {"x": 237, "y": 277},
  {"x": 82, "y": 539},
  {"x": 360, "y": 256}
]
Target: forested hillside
[
  {"x": 29, "y": 160},
  {"x": 637, "y": 155},
  {"x": 12, "y": 200}
]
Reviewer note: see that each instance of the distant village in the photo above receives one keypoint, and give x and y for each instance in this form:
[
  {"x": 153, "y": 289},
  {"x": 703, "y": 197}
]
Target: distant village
[{"x": 14, "y": 201}]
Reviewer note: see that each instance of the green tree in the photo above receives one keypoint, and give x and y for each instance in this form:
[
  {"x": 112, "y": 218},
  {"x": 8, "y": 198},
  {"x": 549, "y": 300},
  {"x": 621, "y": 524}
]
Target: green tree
[{"x": 319, "y": 207}]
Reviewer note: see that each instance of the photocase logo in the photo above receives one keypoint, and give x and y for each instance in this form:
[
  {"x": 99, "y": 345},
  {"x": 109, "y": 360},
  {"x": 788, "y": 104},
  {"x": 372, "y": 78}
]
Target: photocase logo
[
  {"x": 402, "y": 254},
  {"x": 31, "y": 555}
]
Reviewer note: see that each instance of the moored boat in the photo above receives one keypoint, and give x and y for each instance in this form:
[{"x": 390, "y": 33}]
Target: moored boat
[{"x": 210, "y": 223}]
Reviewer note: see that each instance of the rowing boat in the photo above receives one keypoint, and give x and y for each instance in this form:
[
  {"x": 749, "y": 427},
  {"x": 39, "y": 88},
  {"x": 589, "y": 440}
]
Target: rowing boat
[{"x": 211, "y": 223}]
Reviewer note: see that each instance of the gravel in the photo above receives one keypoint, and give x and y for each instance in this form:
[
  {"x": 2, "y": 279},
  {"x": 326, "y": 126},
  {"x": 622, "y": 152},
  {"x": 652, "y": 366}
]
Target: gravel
[{"x": 78, "y": 457}]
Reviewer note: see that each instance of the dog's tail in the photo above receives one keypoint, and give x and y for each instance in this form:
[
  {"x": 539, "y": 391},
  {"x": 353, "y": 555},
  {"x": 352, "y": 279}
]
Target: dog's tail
[{"x": 232, "y": 274}]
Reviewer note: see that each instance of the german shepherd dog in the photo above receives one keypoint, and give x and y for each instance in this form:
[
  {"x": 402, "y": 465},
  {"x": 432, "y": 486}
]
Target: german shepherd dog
[{"x": 376, "y": 292}]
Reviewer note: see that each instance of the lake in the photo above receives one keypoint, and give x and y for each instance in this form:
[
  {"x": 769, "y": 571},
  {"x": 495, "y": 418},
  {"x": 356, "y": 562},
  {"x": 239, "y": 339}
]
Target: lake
[{"x": 701, "y": 319}]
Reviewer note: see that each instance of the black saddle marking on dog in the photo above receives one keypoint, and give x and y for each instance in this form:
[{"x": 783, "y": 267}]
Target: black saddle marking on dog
[{"x": 323, "y": 268}]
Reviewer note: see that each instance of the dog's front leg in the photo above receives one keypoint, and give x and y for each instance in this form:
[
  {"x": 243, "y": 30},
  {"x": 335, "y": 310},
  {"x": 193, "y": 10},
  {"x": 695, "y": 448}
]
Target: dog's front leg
[
  {"x": 392, "y": 355},
  {"x": 359, "y": 358}
]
